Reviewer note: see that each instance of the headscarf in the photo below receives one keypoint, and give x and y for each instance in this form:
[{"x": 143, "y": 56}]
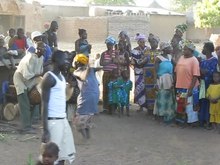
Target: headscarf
[
  {"x": 140, "y": 36},
  {"x": 182, "y": 28},
  {"x": 153, "y": 37},
  {"x": 189, "y": 44},
  {"x": 110, "y": 40},
  {"x": 123, "y": 33},
  {"x": 164, "y": 45},
  {"x": 81, "y": 58}
]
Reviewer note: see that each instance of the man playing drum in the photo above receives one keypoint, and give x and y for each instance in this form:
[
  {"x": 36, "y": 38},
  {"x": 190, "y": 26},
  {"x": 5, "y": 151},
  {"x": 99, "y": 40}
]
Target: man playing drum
[{"x": 25, "y": 77}]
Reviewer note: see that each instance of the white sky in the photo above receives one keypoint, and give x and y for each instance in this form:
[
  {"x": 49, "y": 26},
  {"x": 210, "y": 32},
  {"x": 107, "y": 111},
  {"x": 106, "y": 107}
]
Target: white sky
[{"x": 164, "y": 3}]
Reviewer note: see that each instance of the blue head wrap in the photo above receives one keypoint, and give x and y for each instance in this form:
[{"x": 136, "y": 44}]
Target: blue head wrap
[{"x": 110, "y": 40}]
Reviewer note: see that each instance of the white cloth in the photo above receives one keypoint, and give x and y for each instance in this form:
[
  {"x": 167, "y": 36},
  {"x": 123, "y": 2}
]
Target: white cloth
[
  {"x": 61, "y": 134},
  {"x": 165, "y": 81},
  {"x": 29, "y": 66},
  {"x": 192, "y": 116},
  {"x": 99, "y": 73},
  {"x": 57, "y": 101}
]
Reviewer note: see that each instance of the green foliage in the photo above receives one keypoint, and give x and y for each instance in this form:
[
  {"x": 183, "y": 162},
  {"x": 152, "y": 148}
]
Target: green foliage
[
  {"x": 30, "y": 160},
  {"x": 112, "y": 2},
  {"x": 183, "y": 5},
  {"x": 207, "y": 14}
]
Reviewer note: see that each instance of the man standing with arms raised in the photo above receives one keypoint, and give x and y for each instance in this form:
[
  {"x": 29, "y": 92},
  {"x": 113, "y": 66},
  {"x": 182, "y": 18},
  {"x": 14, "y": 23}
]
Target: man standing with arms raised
[{"x": 55, "y": 125}]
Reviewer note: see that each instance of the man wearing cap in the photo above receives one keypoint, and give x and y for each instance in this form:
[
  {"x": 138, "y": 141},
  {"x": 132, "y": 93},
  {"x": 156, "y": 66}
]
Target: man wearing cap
[
  {"x": 25, "y": 77},
  {"x": 37, "y": 36}
]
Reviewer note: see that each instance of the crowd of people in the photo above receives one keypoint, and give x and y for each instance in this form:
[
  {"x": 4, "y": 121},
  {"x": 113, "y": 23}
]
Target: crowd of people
[{"x": 173, "y": 81}]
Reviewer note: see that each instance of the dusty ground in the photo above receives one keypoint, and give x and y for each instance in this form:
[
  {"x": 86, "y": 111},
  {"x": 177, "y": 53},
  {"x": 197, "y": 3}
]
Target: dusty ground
[{"x": 134, "y": 140}]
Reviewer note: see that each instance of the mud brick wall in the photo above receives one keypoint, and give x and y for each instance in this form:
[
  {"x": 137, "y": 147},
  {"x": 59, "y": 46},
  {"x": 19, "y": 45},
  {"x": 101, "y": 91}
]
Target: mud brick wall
[{"x": 131, "y": 24}]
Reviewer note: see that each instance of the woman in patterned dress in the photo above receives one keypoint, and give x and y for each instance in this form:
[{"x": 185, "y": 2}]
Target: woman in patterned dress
[
  {"x": 149, "y": 72},
  {"x": 109, "y": 61},
  {"x": 207, "y": 68},
  {"x": 165, "y": 100},
  {"x": 138, "y": 61}
]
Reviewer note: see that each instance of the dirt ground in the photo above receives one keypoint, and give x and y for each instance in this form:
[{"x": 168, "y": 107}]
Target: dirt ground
[{"x": 134, "y": 140}]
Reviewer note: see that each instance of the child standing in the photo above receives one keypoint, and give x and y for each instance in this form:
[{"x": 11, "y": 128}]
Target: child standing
[
  {"x": 213, "y": 94},
  {"x": 114, "y": 94},
  {"x": 49, "y": 154},
  {"x": 126, "y": 88}
]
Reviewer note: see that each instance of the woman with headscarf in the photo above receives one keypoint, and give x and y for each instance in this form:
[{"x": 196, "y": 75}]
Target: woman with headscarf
[
  {"x": 165, "y": 100},
  {"x": 175, "y": 41},
  {"x": 124, "y": 40},
  {"x": 187, "y": 72},
  {"x": 87, "y": 101},
  {"x": 149, "y": 72},
  {"x": 109, "y": 61},
  {"x": 207, "y": 67},
  {"x": 82, "y": 45},
  {"x": 138, "y": 61},
  {"x": 123, "y": 59}
]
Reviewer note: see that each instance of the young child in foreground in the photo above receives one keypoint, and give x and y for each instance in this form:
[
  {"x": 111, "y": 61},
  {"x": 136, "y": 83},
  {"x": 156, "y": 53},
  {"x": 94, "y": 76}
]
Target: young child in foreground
[
  {"x": 49, "y": 155},
  {"x": 213, "y": 94}
]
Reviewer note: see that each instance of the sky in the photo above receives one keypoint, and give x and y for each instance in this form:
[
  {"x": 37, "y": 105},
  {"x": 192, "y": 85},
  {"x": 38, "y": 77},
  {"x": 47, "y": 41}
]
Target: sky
[{"x": 164, "y": 3}]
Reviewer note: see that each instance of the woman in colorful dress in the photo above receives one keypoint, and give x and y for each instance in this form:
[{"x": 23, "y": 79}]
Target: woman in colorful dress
[
  {"x": 187, "y": 72},
  {"x": 123, "y": 56},
  {"x": 125, "y": 41},
  {"x": 149, "y": 72},
  {"x": 165, "y": 100},
  {"x": 207, "y": 68},
  {"x": 109, "y": 61},
  {"x": 87, "y": 101},
  {"x": 175, "y": 41},
  {"x": 138, "y": 61}
]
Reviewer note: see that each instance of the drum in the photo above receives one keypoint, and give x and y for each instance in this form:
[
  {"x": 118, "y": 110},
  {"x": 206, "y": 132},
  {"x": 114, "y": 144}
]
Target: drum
[
  {"x": 34, "y": 96},
  {"x": 10, "y": 111}
]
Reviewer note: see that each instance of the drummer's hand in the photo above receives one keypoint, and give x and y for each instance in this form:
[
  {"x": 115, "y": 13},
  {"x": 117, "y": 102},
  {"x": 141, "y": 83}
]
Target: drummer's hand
[{"x": 45, "y": 137}]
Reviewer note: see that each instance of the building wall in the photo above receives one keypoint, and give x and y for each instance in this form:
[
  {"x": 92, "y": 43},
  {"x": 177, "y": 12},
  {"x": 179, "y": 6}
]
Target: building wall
[
  {"x": 164, "y": 25},
  {"x": 198, "y": 35},
  {"x": 131, "y": 24},
  {"x": 96, "y": 28},
  {"x": 53, "y": 12},
  {"x": 20, "y": 14}
]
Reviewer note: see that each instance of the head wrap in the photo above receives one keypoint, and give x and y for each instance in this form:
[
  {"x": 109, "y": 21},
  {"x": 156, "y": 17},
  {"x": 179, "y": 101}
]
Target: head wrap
[
  {"x": 81, "y": 58},
  {"x": 182, "y": 28},
  {"x": 188, "y": 44},
  {"x": 164, "y": 45},
  {"x": 123, "y": 33},
  {"x": 110, "y": 40},
  {"x": 153, "y": 37},
  {"x": 140, "y": 36}
]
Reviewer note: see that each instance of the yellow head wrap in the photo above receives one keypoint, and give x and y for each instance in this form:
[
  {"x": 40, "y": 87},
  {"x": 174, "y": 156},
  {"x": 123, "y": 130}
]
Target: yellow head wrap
[{"x": 81, "y": 58}]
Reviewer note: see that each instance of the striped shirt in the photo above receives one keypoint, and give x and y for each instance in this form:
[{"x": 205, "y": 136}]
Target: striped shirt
[{"x": 108, "y": 58}]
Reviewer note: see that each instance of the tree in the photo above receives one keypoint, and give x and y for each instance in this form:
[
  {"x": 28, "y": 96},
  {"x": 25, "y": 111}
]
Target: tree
[
  {"x": 183, "y": 5},
  {"x": 207, "y": 14},
  {"x": 112, "y": 2}
]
